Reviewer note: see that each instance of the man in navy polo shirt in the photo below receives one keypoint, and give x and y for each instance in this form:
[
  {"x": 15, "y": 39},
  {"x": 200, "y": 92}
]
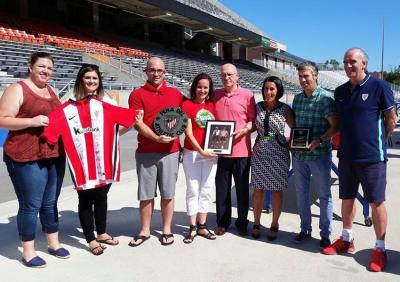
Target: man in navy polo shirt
[{"x": 366, "y": 119}]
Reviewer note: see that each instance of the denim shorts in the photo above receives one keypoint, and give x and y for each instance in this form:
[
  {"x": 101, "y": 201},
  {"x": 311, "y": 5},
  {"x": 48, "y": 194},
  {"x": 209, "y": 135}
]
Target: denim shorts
[
  {"x": 371, "y": 176},
  {"x": 156, "y": 168}
]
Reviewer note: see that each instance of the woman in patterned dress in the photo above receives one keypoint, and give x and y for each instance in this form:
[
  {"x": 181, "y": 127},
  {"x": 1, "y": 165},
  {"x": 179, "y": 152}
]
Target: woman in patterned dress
[{"x": 270, "y": 161}]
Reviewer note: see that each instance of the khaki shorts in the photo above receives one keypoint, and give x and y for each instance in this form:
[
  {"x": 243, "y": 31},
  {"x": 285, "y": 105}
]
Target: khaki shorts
[{"x": 156, "y": 168}]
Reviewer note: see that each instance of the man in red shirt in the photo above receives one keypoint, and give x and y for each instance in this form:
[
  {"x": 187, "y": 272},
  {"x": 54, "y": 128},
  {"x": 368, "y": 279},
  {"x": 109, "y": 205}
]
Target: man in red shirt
[{"x": 157, "y": 157}]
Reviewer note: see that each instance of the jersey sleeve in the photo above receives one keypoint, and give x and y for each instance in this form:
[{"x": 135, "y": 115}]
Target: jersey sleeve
[
  {"x": 330, "y": 107},
  {"x": 212, "y": 108},
  {"x": 185, "y": 107},
  {"x": 135, "y": 102},
  {"x": 181, "y": 97},
  {"x": 121, "y": 116},
  {"x": 251, "y": 109},
  {"x": 53, "y": 130},
  {"x": 386, "y": 98}
]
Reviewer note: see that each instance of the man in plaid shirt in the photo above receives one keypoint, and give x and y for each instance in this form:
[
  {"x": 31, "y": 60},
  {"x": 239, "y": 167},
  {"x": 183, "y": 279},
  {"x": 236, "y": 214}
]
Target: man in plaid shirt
[{"x": 314, "y": 108}]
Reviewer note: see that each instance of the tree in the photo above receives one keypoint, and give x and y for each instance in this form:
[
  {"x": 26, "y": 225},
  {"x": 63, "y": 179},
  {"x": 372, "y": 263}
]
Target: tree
[
  {"x": 334, "y": 63},
  {"x": 393, "y": 76}
]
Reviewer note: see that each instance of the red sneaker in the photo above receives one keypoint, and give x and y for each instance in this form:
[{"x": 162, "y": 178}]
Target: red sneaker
[
  {"x": 378, "y": 260},
  {"x": 339, "y": 246}
]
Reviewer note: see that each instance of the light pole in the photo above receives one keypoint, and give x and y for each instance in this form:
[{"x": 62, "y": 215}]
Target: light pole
[{"x": 383, "y": 44}]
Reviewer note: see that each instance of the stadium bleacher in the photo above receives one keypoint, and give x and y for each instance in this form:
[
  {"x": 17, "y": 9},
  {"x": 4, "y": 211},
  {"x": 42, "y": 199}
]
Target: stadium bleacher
[
  {"x": 182, "y": 67},
  {"x": 68, "y": 46}
]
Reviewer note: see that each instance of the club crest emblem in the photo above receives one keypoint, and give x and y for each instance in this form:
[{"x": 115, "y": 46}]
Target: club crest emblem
[
  {"x": 170, "y": 122},
  {"x": 364, "y": 96}
]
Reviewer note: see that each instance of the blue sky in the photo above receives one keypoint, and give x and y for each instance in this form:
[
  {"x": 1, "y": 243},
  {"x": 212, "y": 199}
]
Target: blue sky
[{"x": 325, "y": 29}]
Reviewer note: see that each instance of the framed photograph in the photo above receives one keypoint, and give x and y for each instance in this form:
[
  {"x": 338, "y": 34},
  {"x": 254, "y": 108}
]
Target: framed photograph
[
  {"x": 219, "y": 137},
  {"x": 299, "y": 138}
]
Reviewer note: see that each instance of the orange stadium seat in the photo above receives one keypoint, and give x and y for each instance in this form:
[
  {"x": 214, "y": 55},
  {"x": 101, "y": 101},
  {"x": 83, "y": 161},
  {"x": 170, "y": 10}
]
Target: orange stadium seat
[{"x": 15, "y": 29}]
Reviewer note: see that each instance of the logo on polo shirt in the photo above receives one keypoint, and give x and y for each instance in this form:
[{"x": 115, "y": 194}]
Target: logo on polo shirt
[
  {"x": 364, "y": 96},
  {"x": 202, "y": 117}
]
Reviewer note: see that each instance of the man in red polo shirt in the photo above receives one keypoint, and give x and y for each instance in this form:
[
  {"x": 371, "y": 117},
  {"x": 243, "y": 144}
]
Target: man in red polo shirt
[
  {"x": 237, "y": 104},
  {"x": 157, "y": 157}
]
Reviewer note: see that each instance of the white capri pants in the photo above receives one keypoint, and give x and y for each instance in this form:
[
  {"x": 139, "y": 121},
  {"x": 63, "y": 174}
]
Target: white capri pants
[{"x": 200, "y": 179}]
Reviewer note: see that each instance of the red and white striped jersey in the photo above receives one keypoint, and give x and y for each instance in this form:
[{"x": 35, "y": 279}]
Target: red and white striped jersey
[{"x": 89, "y": 131}]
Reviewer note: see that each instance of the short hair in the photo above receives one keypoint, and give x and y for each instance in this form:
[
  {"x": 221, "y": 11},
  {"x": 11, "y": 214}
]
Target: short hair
[
  {"x": 79, "y": 88},
  {"x": 308, "y": 65},
  {"x": 37, "y": 55},
  {"x": 364, "y": 54},
  {"x": 278, "y": 84},
  {"x": 196, "y": 80}
]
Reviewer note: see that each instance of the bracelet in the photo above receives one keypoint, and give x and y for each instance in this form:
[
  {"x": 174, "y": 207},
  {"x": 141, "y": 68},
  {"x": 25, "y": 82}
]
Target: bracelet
[{"x": 320, "y": 140}]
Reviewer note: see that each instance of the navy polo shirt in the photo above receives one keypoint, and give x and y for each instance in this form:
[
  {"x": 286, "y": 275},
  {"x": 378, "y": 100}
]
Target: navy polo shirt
[{"x": 361, "y": 126}]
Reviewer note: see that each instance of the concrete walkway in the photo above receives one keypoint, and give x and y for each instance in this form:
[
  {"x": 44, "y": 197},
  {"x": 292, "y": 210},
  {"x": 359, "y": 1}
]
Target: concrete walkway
[{"x": 229, "y": 258}]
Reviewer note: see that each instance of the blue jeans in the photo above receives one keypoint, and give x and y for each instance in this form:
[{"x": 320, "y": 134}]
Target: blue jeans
[
  {"x": 37, "y": 185},
  {"x": 320, "y": 169}
]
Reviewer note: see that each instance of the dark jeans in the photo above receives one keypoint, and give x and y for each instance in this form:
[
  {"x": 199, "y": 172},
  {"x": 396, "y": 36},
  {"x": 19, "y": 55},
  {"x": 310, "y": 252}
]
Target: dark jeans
[
  {"x": 93, "y": 202},
  {"x": 239, "y": 168},
  {"x": 37, "y": 185}
]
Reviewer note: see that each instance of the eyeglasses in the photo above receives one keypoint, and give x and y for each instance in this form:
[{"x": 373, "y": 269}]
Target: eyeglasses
[
  {"x": 156, "y": 71},
  {"x": 93, "y": 66},
  {"x": 227, "y": 74}
]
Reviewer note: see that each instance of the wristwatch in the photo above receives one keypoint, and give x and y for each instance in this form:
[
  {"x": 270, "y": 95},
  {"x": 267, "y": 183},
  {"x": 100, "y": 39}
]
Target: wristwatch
[{"x": 320, "y": 140}]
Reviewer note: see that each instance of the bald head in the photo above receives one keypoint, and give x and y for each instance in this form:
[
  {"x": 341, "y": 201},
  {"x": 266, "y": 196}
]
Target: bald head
[
  {"x": 228, "y": 68},
  {"x": 155, "y": 71},
  {"x": 155, "y": 61}
]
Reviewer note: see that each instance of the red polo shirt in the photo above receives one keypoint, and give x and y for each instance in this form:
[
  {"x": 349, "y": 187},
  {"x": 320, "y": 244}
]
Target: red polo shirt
[
  {"x": 152, "y": 100},
  {"x": 240, "y": 107}
]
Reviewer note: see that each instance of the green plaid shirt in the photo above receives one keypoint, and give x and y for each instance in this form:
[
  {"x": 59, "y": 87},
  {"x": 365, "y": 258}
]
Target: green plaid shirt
[{"x": 313, "y": 112}]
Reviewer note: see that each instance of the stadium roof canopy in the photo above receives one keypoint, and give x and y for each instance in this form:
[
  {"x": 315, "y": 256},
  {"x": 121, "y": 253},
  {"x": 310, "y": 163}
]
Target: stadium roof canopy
[{"x": 208, "y": 16}]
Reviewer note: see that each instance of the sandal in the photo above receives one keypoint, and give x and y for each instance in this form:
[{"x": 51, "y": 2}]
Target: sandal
[
  {"x": 98, "y": 250},
  {"x": 190, "y": 235},
  {"x": 209, "y": 235},
  {"x": 255, "y": 233},
  {"x": 136, "y": 238},
  {"x": 273, "y": 233},
  {"x": 109, "y": 241},
  {"x": 164, "y": 239}
]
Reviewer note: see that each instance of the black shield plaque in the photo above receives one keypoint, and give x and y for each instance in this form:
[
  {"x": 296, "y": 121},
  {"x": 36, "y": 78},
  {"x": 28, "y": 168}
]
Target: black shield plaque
[{"x": 170, "y": 122}]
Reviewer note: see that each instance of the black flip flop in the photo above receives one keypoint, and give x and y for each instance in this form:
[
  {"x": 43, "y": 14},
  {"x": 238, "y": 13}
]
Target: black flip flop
[
  {"x": 166, "y": 237},
  {"x": 138, "y": 237}
]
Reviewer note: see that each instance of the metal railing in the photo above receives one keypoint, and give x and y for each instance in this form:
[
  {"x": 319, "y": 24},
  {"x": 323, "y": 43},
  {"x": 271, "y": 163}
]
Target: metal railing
[
  {"x": 118, "y": 63},
  {"x": 64, "y": 90}
]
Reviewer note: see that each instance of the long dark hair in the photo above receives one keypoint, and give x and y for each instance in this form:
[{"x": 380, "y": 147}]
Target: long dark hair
[
  {"x": 196, "y": 80},
  {"x": 79, "y": 88},
  {"x": 278, "y": 84}
]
